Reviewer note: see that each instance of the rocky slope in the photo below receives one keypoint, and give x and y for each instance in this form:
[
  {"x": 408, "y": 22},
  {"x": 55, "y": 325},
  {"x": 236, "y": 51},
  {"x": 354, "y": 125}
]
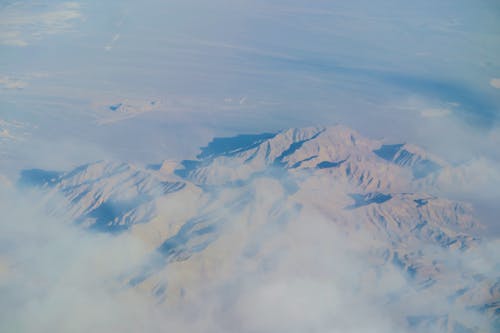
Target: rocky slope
[{"x": 248, "y": 203}]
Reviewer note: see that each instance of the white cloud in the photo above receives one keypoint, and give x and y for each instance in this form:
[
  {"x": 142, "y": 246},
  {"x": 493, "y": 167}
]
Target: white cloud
[
  {"x": 5, "y": 134},
  {"x": 12, "y": 38},
  {"x": 479, "y": 178},
  {"x": 13, "y": 131},
  {"x": 495, "y": 83},
  {"x": 426, "y": 109},
  {"x": 21, "y": 80},
  {"x": 22, "y": 23},
  {"x": 435, "y": 112},
  {"x": 9, "y": 83},
  {"x": 110, "y": 45},
  {"x": 38, "y": 75},
  {"x": 306, "y": 276}
]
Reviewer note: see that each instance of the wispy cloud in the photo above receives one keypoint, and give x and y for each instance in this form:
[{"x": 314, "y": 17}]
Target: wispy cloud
[
  {"x": 5, "y": 134},
  {"x": 495, "y": 83},
  {"x": 435, "y": 112},
  {"x": 20, "y": 81},
  {"x": 12, "y": 38},
  {"x": 21, "y": 24},
  {"x": 427, "y": 109},
  {"x": 13, "y": 131},
  {"x": 110, "y": 45},
  {"x": 10, "y": 83}
]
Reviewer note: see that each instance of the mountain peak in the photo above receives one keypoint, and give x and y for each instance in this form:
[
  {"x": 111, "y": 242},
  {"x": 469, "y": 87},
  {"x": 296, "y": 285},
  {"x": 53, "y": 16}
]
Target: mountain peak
[
  {"x": 243, "y": 195},
  {"x": 233, "y": 159}
]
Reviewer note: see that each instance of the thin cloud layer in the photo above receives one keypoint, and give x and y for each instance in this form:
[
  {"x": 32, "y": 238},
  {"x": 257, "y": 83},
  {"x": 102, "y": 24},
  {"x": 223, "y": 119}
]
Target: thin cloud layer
[
  {"x": 144, "y": 82},
  {"x": 23, "y": 23},
  {"x": 495, "y": 83},
  {"x": 10, "y": 83},
  {"x": 304, "y": 275},
  {"x": 433, "y": 113}
]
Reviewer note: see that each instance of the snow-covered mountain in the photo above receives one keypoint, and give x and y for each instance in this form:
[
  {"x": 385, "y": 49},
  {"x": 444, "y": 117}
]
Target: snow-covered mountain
[{"x": 248, "y": 203}]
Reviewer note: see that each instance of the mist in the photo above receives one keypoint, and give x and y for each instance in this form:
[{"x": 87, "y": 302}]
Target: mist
[
  {"x": 293, "y": 270},
  {"x": 128, "y": 227}
]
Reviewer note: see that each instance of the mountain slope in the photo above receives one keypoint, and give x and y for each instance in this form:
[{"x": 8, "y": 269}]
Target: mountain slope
[{"x": 255, "y": 204}]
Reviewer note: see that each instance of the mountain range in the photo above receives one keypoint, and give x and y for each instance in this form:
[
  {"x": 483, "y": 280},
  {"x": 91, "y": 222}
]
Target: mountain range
[{"x": 370, "y": 217}]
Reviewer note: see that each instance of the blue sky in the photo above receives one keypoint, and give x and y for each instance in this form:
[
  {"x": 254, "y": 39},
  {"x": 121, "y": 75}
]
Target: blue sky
[{"x": 422, "y": 72}]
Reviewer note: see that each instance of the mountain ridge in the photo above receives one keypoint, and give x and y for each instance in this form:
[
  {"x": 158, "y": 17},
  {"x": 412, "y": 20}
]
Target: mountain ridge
[{"x": 242, "y": 196}]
